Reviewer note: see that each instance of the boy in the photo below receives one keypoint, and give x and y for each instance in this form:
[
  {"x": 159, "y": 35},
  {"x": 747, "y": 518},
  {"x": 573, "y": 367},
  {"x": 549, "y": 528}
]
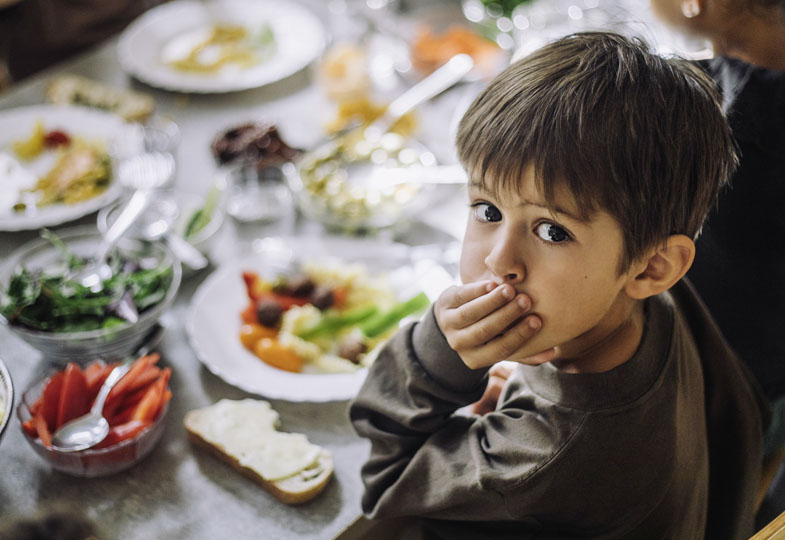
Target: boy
[{"x": 592, "y": 164}]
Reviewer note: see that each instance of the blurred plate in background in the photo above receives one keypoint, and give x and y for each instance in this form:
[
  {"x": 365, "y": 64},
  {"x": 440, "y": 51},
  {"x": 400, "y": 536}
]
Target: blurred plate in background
[
  {"x": 283, "y": 38},
  {"x": 6, "y": 397},
  {"x": 18, "y": 124}
]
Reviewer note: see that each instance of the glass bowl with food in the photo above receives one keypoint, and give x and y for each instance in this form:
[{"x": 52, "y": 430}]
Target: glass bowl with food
[
  {"x": 361, "y": 185},
  {"x": 67, "y": 321},
  {"x": 250, "y": 156},
  {"x": 135, "y": 409},
  {"x": 177, "y": 217},
  {"x": 6, "y": 397}
]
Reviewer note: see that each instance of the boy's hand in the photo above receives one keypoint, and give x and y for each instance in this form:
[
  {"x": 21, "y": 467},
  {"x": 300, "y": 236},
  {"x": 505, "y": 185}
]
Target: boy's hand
[
  {"x": 485, "y": 323},
  {"x": 497, "y": 376}
]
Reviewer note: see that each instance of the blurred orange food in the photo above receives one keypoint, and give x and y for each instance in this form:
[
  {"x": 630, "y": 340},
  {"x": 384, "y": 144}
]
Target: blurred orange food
[
  {"x": 432, "y": 49},
  {"x": 272, "y": 352}
]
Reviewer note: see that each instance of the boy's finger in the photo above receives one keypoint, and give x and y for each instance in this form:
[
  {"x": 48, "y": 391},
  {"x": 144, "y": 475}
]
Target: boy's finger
[
  {"x": 458, "y": 295},
  {"x": 484, "y": 309},
  {"x": 506, "y": 346},
  {"x": 475, "y": 329}
]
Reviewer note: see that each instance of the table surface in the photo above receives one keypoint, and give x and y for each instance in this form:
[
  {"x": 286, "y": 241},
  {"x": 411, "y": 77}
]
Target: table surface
[{"x": 178, "y": 491}]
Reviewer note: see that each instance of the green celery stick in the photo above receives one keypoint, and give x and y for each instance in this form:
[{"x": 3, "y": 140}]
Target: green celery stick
[
  {"x": 202, "y": 216},
  {"x": 332, "y": 323},
  {"x": 381, "y": 322}
]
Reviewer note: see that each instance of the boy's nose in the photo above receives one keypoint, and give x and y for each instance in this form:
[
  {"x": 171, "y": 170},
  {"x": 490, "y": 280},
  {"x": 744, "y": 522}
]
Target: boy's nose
[{"x": 505, "y": 263}]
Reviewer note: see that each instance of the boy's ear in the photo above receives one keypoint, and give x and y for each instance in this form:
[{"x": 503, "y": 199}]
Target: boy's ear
[{"x": 663, "y": 267}]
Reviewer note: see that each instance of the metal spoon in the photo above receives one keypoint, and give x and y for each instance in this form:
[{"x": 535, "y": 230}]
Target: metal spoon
[
  {"x": 97, "y": 271},
  {"x": 161, "y": 228},
  {"x": 434, "y": 84},
  {"x": 90, "y": 429}
]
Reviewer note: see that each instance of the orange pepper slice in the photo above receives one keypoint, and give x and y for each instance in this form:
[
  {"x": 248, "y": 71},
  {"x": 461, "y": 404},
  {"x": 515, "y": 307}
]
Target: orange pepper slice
[{"x": 273, "y": 353}]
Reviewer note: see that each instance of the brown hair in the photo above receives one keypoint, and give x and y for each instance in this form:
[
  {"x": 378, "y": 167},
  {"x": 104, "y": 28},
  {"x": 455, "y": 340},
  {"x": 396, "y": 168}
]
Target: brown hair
[{"x": 624, "y": 130}]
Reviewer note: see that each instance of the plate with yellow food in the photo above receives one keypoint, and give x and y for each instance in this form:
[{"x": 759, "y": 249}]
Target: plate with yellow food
[
  {"x": 215, "y": 46},
  {"x": 57, "y": 163},
  {"x": 301, "y": 319}
]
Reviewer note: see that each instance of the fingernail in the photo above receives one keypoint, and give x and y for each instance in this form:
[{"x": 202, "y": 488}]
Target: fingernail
[
  {"x": 523, "y": 302},
  {"x": 489, "y": 286},
  {"x": 534, "y": 323},
  {"x": 507, "y": 291}
]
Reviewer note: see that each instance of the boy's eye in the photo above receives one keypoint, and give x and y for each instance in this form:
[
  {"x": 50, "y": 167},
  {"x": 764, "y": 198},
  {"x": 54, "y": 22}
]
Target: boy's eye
[
  {"x": 487, "y": 212},
  {"x": 551, "y": 233}
]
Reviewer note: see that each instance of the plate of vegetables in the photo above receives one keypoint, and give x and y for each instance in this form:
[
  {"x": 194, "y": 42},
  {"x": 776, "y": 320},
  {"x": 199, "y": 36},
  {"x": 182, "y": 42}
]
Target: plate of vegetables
[
  {"x": 57, "y": 162},
  {"x": 302, "y": 318}
]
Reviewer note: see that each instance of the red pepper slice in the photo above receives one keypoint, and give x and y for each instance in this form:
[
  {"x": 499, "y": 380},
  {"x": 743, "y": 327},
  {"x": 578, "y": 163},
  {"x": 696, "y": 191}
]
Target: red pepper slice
[
  {"x": 144, "y": 378},
  {"x": 43, "y": 430},
  {"x": 49, "y": 401},
  {"x": 118, "y": 393},
  {"x": 128, "y": 406},
  {"x": 252, "y": 287},
  {"x": 166, "y": 394},
  {"x": 73, "y": 396},
  {"x": 122, "y": 432},
  {"x": 148, "y": 408},
  {"x": 96, "y": 373}
]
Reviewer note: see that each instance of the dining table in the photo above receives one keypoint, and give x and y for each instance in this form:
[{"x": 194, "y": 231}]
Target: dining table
[{"x": 179, "y": 491}]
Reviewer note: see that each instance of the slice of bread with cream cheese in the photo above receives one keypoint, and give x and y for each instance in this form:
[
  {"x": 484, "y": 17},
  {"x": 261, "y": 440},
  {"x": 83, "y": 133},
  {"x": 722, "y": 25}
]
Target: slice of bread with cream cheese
[{"x": 244, "y": 434}]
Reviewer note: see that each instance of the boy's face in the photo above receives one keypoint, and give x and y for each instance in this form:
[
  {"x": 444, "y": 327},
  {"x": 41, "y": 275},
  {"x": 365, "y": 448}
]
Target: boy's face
[{"x": 568, "y": 267}]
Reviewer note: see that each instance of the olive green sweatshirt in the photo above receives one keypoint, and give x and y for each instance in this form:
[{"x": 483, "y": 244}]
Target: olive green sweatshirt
[{"x": 666, "y": 445}]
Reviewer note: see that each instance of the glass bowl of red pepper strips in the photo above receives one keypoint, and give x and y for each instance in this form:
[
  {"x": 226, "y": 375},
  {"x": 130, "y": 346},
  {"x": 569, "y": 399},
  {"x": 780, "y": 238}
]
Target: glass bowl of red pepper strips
[{"x": 135, "y": 408}]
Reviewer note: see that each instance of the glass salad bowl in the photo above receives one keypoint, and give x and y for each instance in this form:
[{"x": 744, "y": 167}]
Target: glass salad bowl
[
  {"x": 187, "y": 216},
  {"x": 344, "y": 186},
  {"x": 68, "y": 323}
]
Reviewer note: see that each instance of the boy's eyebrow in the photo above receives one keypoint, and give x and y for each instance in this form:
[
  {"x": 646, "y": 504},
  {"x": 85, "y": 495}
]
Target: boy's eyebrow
[{"x": 555, "y": 209}]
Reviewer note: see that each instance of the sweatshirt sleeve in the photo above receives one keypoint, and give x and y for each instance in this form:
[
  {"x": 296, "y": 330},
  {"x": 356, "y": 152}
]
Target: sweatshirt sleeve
[{"x": 425, "y": 460}]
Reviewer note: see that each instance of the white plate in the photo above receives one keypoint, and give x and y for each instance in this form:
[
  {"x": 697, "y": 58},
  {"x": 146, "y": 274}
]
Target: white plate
[
  {"x": 299, "y": 39},
  {"x": 213, "y": 322},
  {"x": 17, "y": 124}
]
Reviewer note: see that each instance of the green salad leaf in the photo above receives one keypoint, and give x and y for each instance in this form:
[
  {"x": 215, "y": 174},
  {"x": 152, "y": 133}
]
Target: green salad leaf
[{"x": 47, "y": 300}]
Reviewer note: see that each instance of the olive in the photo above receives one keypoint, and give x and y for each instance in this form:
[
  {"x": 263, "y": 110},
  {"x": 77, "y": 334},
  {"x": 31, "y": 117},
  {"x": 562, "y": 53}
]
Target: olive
[{"x": 269, "y": 313}]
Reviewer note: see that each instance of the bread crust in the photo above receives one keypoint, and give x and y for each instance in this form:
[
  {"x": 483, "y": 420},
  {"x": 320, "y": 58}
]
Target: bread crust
[{"x": 297, "y": 489}]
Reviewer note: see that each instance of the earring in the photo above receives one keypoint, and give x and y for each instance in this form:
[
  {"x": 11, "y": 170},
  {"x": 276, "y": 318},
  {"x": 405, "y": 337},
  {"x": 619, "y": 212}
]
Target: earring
[{"x": 690, "y": 8}]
